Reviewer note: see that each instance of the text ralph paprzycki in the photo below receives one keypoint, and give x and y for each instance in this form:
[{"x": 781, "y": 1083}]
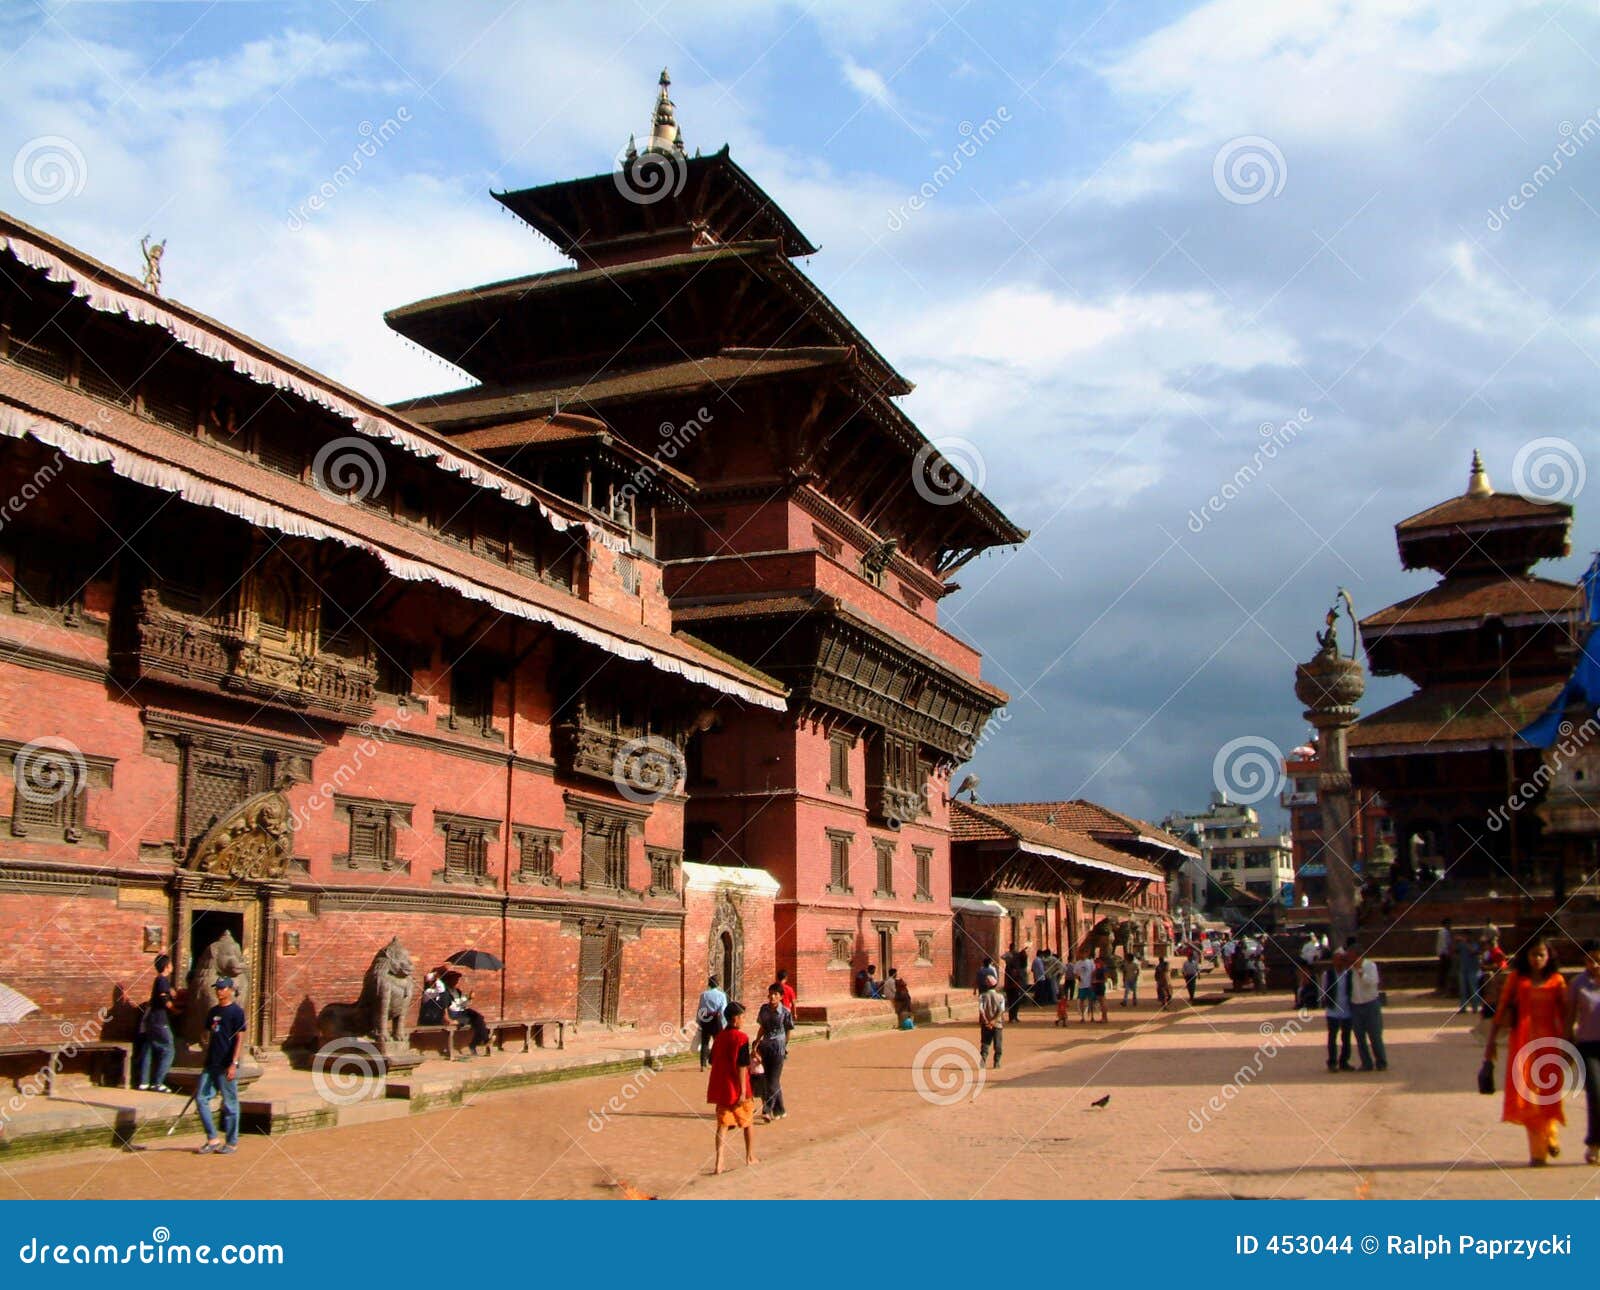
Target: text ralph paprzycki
[{"x": 1416, "y": 1246}]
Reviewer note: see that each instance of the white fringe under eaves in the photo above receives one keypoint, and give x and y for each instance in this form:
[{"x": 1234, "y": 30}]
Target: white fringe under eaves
[
  {"x": 108, "y": 299},
  {"x": 80, "y": 446}
]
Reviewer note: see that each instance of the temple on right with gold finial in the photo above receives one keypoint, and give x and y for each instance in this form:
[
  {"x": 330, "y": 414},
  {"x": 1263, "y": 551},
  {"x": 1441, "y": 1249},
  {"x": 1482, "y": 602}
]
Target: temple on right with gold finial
[{"x": 1488, "y": 647}]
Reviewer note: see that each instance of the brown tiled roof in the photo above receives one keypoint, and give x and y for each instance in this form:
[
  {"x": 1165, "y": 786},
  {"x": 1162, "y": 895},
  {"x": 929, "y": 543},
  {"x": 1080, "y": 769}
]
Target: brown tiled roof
[
  {"x": 41, "y": 396},
  {"x": 1469, "y": 599},
  {"x": 475, "y": 404},
  {"x": 1452, "y": 718},
  {"x": 1470, "y": 510},
  {"x": 1084, "y": 816},
  {"x": 981, "y": 821},
  {"x": 565, "y": 429}
]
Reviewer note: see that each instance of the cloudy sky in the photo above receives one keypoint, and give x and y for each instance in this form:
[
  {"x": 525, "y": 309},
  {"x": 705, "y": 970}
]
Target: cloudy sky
[{"x": 1363, "y": 232}]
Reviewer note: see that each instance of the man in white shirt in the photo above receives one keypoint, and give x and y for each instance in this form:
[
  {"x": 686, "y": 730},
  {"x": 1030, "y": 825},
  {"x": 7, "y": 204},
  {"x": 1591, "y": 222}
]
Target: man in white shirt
[
  {"x": 1444, "y": 947},
  {"x": 1366, "y": 1011},
  {"x": 1083, "y": 971}
]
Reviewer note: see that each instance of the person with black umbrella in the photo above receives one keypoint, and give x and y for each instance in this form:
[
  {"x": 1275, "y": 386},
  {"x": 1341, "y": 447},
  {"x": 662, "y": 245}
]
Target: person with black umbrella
[{"x": 460, "y": 1011}]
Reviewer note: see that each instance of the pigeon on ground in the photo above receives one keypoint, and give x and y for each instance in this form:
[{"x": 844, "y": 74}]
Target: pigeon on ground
[{"x": 1101, "y": 1101}]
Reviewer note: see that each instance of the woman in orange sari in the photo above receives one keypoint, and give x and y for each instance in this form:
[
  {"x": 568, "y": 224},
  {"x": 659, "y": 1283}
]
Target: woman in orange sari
[{"x": 1533, "y": 1006}]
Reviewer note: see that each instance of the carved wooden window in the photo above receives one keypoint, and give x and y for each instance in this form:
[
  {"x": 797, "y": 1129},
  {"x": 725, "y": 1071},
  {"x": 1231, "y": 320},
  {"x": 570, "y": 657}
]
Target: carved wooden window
[
  {"x": 466, "y": 847},
  {"x": 924, "y": 948},
  {"x": 168, "y": 391},
  {"x": 106, "y": 369},
  {"x": 396, "y": 676},
  {"x": 884, "y": 851},
  {"x": 471, "y": 700},
  {"x": 839, "y": 745},
  {"x": 912, "y": 599},
  {"x": 536, "y": 854},
  {"x": 374, "y": 833},
  {"x": 663, "y": 871},
  {"x": 48, "y": 576},
  {"x": 924, "y": 857},
  {"x": 841, "y": 948},
  {"x": 628, "y": 573},
  {"x": 279, "y": 447},
  {"x": 51, "y": 785},
  {"x": 839, "y": 862},
  {"x": 605, "y": 852},
  {"x": 829, "y": 545},
  {"x": 45, "y": 350}
]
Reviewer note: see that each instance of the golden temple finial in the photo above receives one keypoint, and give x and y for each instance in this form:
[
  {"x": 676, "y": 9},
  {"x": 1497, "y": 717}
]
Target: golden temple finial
[
  {"x": 664, "y": 134},
  {"x": 1478, "y": 481}
]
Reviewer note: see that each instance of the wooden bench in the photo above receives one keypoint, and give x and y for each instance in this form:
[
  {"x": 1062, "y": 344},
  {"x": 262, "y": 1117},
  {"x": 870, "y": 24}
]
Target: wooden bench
[
  {"x": 532, "y": 1028},
  {"x": 52, "y": 1054}
]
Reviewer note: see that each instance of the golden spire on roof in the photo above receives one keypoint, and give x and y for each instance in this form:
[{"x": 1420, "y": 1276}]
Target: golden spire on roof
[
  {"x": 1478, "y": 481},
  {"x": 664, "y": 134}
]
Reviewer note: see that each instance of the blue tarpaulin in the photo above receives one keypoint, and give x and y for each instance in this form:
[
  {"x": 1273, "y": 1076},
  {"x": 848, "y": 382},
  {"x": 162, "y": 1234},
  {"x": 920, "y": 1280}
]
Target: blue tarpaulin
[{"x": 1583, "y": 686}]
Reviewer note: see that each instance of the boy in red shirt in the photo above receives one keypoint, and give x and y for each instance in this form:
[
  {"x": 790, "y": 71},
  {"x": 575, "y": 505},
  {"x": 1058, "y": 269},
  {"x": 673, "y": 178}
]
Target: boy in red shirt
[{"x": 728, "y": 1087}]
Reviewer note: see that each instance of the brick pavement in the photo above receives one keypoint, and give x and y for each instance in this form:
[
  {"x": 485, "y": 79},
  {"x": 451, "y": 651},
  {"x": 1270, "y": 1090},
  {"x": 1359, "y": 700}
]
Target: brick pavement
[{"x": 859, "y": 1127}]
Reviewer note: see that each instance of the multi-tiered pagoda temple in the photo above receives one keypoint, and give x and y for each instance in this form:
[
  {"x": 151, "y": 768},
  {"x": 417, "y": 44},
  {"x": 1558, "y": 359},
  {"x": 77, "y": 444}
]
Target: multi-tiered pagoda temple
[
  {"x": 1489, "y": 648},
  {"x": 686, "y": 379}
]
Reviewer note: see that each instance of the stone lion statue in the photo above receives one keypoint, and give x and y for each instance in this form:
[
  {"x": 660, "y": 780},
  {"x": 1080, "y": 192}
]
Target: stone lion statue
[
  {"x": 382, "y": 1011},
  {"x": 224, "y": 957}
]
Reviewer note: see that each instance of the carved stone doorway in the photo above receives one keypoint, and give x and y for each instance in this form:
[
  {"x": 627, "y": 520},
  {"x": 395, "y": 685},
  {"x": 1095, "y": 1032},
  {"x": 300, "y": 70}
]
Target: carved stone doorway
[{"x": 727, "y": 947}]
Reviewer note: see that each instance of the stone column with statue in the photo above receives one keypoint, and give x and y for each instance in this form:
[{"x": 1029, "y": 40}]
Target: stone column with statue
[{"x": 1330, "y": 685}]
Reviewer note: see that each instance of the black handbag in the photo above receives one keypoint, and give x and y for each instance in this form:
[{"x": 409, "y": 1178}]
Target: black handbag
[{"x": 1486, "y": 1077}]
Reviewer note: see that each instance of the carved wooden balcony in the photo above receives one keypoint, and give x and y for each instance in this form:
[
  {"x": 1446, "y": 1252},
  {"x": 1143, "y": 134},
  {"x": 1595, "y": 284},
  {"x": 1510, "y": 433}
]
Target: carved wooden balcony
[{"x": 183, "y": 649}]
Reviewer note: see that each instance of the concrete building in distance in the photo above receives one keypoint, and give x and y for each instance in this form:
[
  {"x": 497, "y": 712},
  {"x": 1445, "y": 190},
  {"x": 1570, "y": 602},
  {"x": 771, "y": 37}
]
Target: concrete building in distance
[
  {"x": 1370, "y": 823},
  {"x": 1240, "y": 865}
]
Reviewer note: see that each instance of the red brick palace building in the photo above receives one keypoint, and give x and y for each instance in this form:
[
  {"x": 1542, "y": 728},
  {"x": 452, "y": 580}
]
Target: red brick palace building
[
  {"x": 623, "y": 664},
  {"x": 813, "y": 535}
]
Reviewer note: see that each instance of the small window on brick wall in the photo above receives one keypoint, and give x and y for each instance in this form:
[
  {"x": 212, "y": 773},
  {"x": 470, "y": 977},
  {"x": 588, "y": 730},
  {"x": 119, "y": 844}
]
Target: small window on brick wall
[
  {"x": 471, "y": 700},
  {"x": 536, "y": 854},
  {"x": 885, "y": 856},
  {"x": 466, "y": 848},
  {"x": 664, "y": 867},
  {"x": 841, "y": 947},
  {"x": 50, "y": 791},
  {"x": 924, "y": 857},
  {"x": 924, "y": 948},
  {"x": 374, "y": 833},
  {"x": 838, "y": 862},
  {"x": 829, "y": 545},
  {"x": 839, "y": 745}
]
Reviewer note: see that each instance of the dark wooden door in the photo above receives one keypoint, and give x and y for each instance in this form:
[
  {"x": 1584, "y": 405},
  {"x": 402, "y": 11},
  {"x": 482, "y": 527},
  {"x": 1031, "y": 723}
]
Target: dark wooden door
[{"x": 592, "y": 976}]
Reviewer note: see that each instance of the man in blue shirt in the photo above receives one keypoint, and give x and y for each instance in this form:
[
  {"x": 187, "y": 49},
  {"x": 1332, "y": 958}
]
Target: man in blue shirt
[
  {"x": 225, "y": 1027},
  {"x": 709, "y": 1016}
]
